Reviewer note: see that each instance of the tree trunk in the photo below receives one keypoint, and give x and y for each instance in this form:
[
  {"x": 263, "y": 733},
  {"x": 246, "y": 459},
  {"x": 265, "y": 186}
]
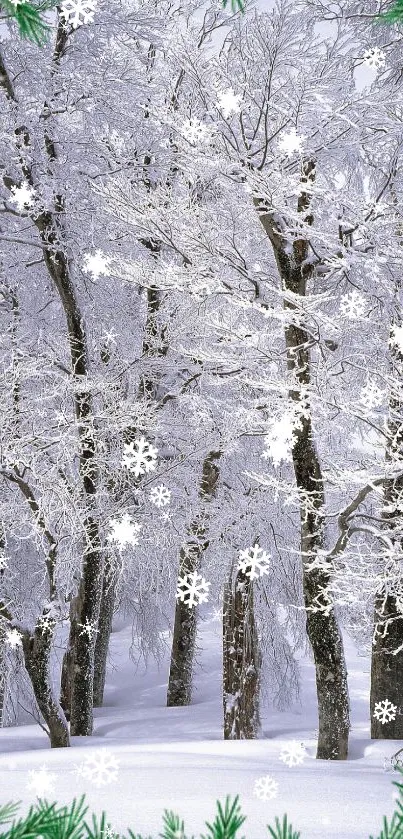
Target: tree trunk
[
  {"x": 104, "y": 631},
  {"x": 387, "y": 648},
  {"x": 36, "y": 648},
  {"x": 241, "y": 660},
  {"x": 185, "y": 626},
  {"x": 322, "y": 629}
]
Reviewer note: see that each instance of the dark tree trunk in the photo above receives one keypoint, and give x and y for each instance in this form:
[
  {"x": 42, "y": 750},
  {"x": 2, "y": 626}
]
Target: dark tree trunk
[
  {"x": 104, "y": 632},
  {"x": 36, "y": 648},
  {"x": 386, "y": 663},
  {"x": 241, "y": 660},
  {"x": 322, "y": 629},
  {"x": 185, "y": 626}
]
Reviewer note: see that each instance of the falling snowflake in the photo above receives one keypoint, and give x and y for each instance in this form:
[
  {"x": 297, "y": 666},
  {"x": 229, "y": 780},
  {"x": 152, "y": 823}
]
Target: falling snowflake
[
  {"x": 374, "y": 57},
  {"x": 160, "y": 496},
  {"x": 229, "y": 102},
  {"x": 22, "y": 196},
  {"x": 291, "y": 142},
  {"x": 385, "y": 711},
  {"x": 101, "y": 768},
  {"x": 166, "y": 516},
  {"x": 96, "y": 264},
  {"x": 14, "y": 638},
  {"x": 88, "y": 628},
  {"x": 189, "y": 587},
  {"x": 293, "y": 753},
  {"x": 396, "y": 337},
  {"x": 371, "y": 395},
  {"x": 195, "y": 131},
  {"x": 4, "y": 562},
  {"x": 265, "y": 788},
  {"x": 142, "y": 460},
  {"x": 281, "y": 439},
  {"x": 254, "y": 559},
  {"x": 353, "y": 305},
  {"x": 77, "y": 12},
  {"x": 109, "y": 833},
  {"x": 42, "y": 781},
  {"x": 46, "y": 623},
  {"x": 124, "y": 532}
]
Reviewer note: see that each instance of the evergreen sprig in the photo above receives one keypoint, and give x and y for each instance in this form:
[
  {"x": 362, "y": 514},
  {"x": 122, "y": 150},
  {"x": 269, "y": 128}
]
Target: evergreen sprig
[
  {"x": 393, "y": 15},
  {"x": 283, "y": 831},
  {"x": 28, "y": 16},
  {"x": 394, "y": 830},
  {"x": 236, "y": 5}
]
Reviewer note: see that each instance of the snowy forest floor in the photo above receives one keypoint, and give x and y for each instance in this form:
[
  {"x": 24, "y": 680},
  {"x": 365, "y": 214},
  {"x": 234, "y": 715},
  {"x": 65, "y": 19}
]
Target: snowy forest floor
[{"x": 175, "y": 758}]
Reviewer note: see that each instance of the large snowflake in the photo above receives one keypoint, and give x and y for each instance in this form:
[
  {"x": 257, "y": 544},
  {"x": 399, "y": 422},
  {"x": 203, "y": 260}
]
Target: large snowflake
[
  {"x": 229, "y": 102},
  {"x": 101, "y": 768},
  {"x": 281, "y": 439},
  {"x": 22, "y": 196},
  {"x": 77, "y": 12},
  {"x": 293, "y": 753},
  {"x": 140, "y": 460},
  {"x": 160, "y": 496},
  {"x": 291, "y": 142},
  {"x": 192, "y": 589},
  {"x": 254, "y": 562},
  {"x": 124, "y": 532},
  {"x": 265, "y": 788},
  {"x": 195, "y": 131},
  {"x": 374, "y": 57},
  {"x": 13, "y": 638},
  {"x": 353, "y": 305},
  {"x": 371, "y": 395},
  {"x": 88, "y": 628},
  {"x": 96, "y": 264},
  {"x": 385, "y": 711},
  {"x": 41, "y": 781}
]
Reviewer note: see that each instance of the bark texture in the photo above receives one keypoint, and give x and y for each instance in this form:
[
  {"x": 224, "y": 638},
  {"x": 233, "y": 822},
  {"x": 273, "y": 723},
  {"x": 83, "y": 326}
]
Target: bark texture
[
  {"x": 241, "y": 661},
  {"x": 185, "y": 626},
  {"x": 323, "y": 631},
  {"x": 36, "y": 648}
]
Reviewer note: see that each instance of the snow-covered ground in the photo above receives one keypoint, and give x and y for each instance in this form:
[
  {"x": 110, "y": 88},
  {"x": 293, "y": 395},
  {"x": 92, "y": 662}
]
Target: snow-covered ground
[{"x": 175, "y": 758}]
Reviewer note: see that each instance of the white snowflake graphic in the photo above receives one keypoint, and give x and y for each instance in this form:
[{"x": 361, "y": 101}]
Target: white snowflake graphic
[
  {"x": 265, "y": 788},
  {"x": 124, "y": 531},
  {"x": 371, "y": 395},
  {"x": 160, "y": 496},
  {"x": 41, "y": 781},
  {"x": 229, "y": 102},
  {"x": 385, "y": 711},
  {"x": 22, "y": 196},
  {"x": 254, "y": 562},
  {"x": 14, "y": 638},
  {"x": 101, "y": 768},
  {"x": 192, "y": 589},
  {"x": 195, "y": 131},
  {"x": 280, "y": 439},
  {"x": 374, "y": 57},
  {"x": 353, "y": 305},
  {"x": 77, "y": 12},
  {"x": 96, "y": 264},
  {"x": 396, "y": 337},
  {"x": 293, "y": 753},
  {"x": 166, "y": 516},
  {"x": 88, "y": 628},
  {"x": 46, "y": 623},
  {"x": 3, "y": 562},
  {"x": 291, "y": 142},
  {"x": 142, "y": 460}
]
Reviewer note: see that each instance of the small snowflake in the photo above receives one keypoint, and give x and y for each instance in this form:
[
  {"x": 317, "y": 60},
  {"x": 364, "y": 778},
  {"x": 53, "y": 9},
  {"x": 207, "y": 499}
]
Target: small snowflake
[
  {"x": 42, "y": 781},
  {"x": 142, "y": 460},
  {"x": 229, "y": 102},
  {"x": 189, "y": 587},
  {"x": 77, "y": 12},
  {"x": 14, "y": 638},
  {"x": 385, "y": 711},
  {"x": 254, "y": 559},
  {"x": 124, "y": 532},
  {"x": 23, "y": 196},
  {"x": 109, "y": 833},
  {"x": 100, "y": 768},
  {"x": 371, "y": 395},
  {"x": 46, "y": 623},
  {"x": 3, "y": 562},
  {"x": 195, "y": 131},
  {"x": 265, "y": 788},
  {"x": 166, "y": 516},
  {"x": 160, "y": 496},
  {"x": 88, "y": 628},
  {"x": 293, "y": 753},
  {"x": 353, "y": 305},
  {"x": 281, "y": 439},
  {"x": 96, "y": 264},
  {"x": 291, "y": 142},
  {"x": 374, "y": 57}
]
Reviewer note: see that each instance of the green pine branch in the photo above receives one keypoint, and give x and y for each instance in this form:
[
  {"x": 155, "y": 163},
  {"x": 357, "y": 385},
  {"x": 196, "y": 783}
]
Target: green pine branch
[
  {"x": 283, "y": 831},
  {"x": 227, "y": 822},
  {"x": 29, "y": 19},
  {"x": 393, "y": 15}
]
